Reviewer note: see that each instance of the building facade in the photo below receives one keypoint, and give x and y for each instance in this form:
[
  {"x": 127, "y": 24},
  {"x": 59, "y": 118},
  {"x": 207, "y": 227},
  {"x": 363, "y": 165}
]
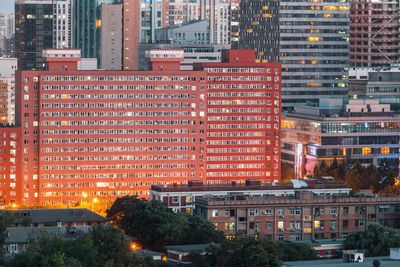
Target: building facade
[
  {"x": 239, "y": 93},
  {"x": 362, "y": 131},
  {"x": 374, "y": 33},
  {"x": 111, "y": 37},
  {"x": 303, "y": 217},
  {"x": 105, "y": 134},
  {"x": 40, "y": 25},
  {"x": 182, "y": 198},
  {"x": 310, "y": 40},
  {"x": 8, "y": 67}
]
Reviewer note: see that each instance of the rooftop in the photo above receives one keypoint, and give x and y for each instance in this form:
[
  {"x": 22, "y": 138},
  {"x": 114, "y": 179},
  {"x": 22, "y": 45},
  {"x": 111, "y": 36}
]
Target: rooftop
[
  {"x": 302, "y": 198},
  {"x": 22, "y": 234},
  {"x": 199, "y": 248},
  {"x": 55, "y": 215},
  {"x": 198, "y": 186}
]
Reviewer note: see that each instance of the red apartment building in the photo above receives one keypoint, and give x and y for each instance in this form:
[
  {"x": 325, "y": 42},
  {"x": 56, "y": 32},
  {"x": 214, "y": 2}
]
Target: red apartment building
[
  {"x": 87, "y": 135},
  {"x": 374, "y": 33},
  {"x": 305, "y": 216}
]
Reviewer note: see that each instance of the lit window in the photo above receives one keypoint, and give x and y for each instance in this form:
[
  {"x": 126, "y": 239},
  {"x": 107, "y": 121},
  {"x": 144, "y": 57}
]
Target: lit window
[{"x": 366, "y": 151}]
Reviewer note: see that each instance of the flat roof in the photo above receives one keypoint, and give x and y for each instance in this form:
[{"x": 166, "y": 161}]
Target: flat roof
[
  {"x": 385, "y": 262},
  {"x": 311, "y": 184}
]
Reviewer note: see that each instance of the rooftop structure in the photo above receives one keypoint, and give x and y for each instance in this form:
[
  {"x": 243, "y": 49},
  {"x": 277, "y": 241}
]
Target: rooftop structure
[{"x": 182, "y": 198}]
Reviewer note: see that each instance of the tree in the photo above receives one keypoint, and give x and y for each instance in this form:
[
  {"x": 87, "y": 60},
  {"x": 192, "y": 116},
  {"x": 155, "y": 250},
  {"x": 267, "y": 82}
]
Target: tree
[
  {"x": 103, "y": 246},
  {"x": 287, "y": 172},
  {"x": 241, "y": 252},
  {"x": 155, "y": 226},
  {"x": 296, "y": 252},
  {"x": 376, "y": 241}
]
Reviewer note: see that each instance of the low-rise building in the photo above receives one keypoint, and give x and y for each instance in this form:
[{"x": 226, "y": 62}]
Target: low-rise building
[
  {"x": 305, "y": 216},
  {"x": 179, "y": 254},
  {"x": 181, "y": 198},
  {"x": 17, "y": 238},
  {"x": 362, "y": 131},
  {"x": 54, "y": 217}
]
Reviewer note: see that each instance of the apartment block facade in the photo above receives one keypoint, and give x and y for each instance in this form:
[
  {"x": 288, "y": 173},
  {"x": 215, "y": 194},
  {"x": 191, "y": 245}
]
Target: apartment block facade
[
  {"x": 374, "y": 33},
  {"x": 182, "y": 198},
  {"x": 303, "y": 217},
  {"x": 105, "y": 134}
]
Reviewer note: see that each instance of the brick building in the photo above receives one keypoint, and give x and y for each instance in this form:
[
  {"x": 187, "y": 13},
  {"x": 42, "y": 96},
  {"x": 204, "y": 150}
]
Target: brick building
[
  {"x": 182, "y": 198},
  {"x": 103, "y": 134},
  {"x": 304, "y": 216}
]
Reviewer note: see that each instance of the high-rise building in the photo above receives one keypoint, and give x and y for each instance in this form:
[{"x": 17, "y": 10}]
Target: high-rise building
[
  {"x": 374, "y": 33},
  {"x": 258, "y": 28},
  {"x": 140, "y": 22},
  {"x": 86, "y": 23},
  {"x": 106, "y": 134},
  {"x": 10, "y": 26},
  {"x": 181, "y": 11},
  {"x": 110, "y": 55},
  {"x": 243, "y": 118},
  {"x": 310, "y": 40},
  {"x": 40, "y": 24},
  {"x": 220, "y": 20},
  {"x": 3, "y": 19}
]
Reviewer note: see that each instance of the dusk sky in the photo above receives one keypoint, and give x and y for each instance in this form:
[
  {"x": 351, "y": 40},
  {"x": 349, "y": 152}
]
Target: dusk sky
[{"x": 6, "y": 6}]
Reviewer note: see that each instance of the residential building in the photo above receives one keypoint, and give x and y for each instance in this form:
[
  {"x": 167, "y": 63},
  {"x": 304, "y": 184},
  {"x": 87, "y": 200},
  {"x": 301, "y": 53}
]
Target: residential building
[
  {"x": 131, "y": 34},
  {"x": 219, "y": 21},
  {"x": 182, "y": 11},
  {"x": 182, "y": 198},
  {"x": 121, "y": 148},
  {"x": 304, "y": 217},
  {"x": 110, "y": 54},
  {"x": 243, "y": 118},
  {"x": 40, "y": 24},
  {"x": 309, "y": 40},
  {"x": 17, "y": 239},
  {"x": 8, "y": 67},
  {"x": 10, "y": 26},
  {"x": 360, "y": 131},
  {"x": 54, "y": 217},
  {"x": 374, "y": 33}
]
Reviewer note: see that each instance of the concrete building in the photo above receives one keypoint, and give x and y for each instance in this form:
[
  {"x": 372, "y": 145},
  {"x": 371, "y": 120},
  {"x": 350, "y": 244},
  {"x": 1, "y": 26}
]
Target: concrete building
[
  {"x": 40, "y": 24},
  {"x": 10, "y": 26},
  {"x": 381, "y": 83},
  {"x": 121, "y": 148},
  {"x": 182, "y": 11},
  {"x": 192, "y": 54},
  {"x": 220, "y": 20},
  {"x": 182, "y": 198},
  {"x": 111, "y": 37},
  {"x": 303, "y": 217},
  {"x": 131, "y": 34},
  {"x": 190, "y": 33},
  {"x": 362, "y": 130},
  {"x": 374, "y": 33}
]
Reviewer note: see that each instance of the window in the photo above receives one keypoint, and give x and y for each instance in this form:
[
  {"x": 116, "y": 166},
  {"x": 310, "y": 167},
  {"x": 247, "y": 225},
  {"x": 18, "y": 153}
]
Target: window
[
  {"x": 281, "y": 212},
  {"x": 175, "y": 199},
  {"x": 280, "y": 238},
  {"x": 280, "y": 225},
  {"x": 295, "y": 211},
  {"x": 214, "y": 213},
  {"x": 345, "y": 210},
  {"x": 268, "y": 212},
  {"x": 226, "y": 213},
  {"x": 13, "y": 248},
  {"x": 268, "y": 225},
  {"x": 254, "y": 212},
  {"x": 333, "y": 224},
  {"x": 334, "y": 210},
  {"x": 230, "y": 226},
  {"x": 361, "y": 223}
]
